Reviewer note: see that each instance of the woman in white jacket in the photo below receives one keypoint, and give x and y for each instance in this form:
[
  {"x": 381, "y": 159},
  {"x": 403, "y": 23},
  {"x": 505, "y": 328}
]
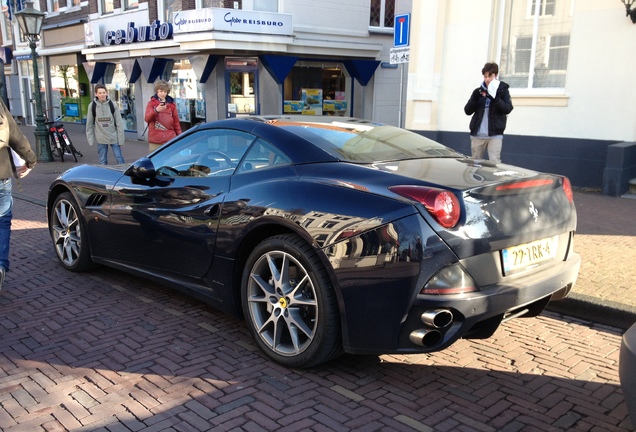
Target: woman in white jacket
[{"x": 104, "y": 126}]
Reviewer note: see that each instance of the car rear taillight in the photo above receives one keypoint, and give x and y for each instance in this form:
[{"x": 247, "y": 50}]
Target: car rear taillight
[
  {"x": 567, "y": 188},
  {"x": 443, "y": 205}
]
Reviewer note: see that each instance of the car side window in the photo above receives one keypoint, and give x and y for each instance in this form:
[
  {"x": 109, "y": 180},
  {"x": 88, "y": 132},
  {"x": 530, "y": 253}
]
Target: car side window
[
  {"x": 207, "y": 152},
  {"x": 262, "y": 155}
]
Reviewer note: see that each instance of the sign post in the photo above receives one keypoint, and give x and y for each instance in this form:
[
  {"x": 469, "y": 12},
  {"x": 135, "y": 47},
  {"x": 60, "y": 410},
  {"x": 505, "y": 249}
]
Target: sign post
[{"x": 401, "y": 50}]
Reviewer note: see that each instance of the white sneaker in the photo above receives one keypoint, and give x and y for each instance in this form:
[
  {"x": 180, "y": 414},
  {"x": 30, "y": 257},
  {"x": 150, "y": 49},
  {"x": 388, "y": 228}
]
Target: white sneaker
[{"x": 2, "y": 271}]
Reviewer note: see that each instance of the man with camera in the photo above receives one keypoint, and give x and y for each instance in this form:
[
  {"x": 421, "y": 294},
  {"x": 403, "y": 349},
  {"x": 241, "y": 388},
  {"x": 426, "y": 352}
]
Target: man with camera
[{"x": 489, "y": 104}]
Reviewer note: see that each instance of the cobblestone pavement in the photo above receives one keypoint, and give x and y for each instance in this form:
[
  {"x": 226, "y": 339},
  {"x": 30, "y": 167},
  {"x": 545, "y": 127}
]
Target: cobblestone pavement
[{"x": 106, "y": 351}]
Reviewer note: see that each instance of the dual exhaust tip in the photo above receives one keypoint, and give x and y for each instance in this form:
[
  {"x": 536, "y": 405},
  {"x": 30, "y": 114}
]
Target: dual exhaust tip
[{"x": 434, "y": 320}]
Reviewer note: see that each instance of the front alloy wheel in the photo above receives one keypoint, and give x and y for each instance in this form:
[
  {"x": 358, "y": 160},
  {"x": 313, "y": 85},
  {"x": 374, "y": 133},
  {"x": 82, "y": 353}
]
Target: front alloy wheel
[
  {"x": 289, "y": 303},
  {"x": 66, "y": 229}
]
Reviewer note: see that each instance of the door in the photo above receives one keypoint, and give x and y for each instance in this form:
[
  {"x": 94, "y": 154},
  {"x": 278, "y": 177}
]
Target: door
[
  {"x": 169, "y": 223},
  {"x": 241, "y": 86}
]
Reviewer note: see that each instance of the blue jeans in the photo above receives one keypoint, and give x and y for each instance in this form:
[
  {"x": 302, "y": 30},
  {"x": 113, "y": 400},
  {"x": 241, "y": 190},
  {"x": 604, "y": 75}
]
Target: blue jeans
[
  {"x": 102, "y": 151},
  {"x": 6, "y": 204}
]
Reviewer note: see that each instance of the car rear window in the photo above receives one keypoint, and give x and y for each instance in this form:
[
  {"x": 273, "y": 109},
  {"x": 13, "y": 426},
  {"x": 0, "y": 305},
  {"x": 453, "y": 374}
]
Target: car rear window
[{"x": 369, "y": 142}]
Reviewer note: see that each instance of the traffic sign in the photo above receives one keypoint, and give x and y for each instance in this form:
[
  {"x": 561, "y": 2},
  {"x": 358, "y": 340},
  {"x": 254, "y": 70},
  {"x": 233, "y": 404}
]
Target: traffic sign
[
  {"x": 399, "y": 55},
  {"x": 401, "y": 30}
]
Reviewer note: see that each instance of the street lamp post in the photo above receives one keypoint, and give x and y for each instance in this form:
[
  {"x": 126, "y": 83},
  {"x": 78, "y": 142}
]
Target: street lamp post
[{"x": 30, "y": 21}]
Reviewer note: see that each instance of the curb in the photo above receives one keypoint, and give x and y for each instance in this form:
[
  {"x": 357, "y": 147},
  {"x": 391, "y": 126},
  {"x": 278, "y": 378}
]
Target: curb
[
  {"x": 27, "y": 198},
  {"x": 596, "y": 310}
]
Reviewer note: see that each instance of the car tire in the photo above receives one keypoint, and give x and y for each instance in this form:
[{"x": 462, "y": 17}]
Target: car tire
[
  {"x": 289, "y": 303},
  {"x": 69, "y": 234}
]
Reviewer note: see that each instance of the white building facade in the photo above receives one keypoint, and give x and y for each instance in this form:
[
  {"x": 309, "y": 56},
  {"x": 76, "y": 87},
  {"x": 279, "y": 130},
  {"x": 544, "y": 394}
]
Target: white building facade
[{"x": 568, "y": 66}]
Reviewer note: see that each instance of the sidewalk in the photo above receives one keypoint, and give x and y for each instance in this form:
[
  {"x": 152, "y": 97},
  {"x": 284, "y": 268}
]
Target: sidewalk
[{"x": 605, "y": 292}]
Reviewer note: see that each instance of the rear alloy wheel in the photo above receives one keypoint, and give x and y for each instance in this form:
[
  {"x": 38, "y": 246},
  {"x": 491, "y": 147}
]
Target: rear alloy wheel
[
  {"x": 289, "y": 303},
  {"x": 67, "y": 231}
]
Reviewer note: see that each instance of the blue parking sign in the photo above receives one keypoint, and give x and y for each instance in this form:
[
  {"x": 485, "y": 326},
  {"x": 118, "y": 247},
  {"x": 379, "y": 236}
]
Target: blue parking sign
[{"x": 401, "y": 29}]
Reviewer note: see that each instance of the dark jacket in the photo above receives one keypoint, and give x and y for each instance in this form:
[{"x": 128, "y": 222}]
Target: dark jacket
[
  {"x": 500, "y": 107},
  {"x": 162, "y": 126}
]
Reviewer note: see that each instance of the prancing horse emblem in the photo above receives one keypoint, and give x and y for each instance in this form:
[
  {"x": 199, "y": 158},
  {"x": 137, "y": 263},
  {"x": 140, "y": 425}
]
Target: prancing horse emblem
[{"x": 533, "y": 211}]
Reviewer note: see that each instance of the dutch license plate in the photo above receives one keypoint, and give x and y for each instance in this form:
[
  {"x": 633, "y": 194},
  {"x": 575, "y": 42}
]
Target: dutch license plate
[{"x": 529, "y": 255}]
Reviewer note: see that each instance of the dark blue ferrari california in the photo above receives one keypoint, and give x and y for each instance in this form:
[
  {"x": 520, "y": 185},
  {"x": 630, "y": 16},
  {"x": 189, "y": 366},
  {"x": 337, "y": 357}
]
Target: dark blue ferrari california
[{"x": 327, "y": 234}]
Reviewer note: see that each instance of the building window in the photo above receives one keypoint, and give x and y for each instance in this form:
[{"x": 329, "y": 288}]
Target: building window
[
  {"x": 107, "y": 6},
  {"x": 382, "y": 13},
  {"x": 547, "y": 7},
  {"x": 534, "y": 48},
  {"x": 169, "y": 7},
  {"x": 7, "y": 35},
  {"x": 266, "y": 5},
  {"x": 56, "y": 6},
  {"x": 130, "y": 4},
  {"x": 230, "y": 4},
  {"x": 559, "y": 48}
]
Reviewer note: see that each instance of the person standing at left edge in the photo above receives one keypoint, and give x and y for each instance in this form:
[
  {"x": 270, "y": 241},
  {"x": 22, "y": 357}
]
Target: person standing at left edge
[
  {"x": 489, "y": 104},
  {"x": 11, "y": 138},
  {"x": 104, "y": 126}
]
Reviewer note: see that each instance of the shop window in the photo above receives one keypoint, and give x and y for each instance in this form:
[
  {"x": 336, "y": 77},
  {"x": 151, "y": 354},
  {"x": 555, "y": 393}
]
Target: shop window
[
  {"x": 65, "y": 94},
  {"x": 241, "y": 86},
  {"x": 534, "y": 48},
  {"x": 316, "y": 89},
  {"x": 122, "y": 93},
  {"x": 188, "y": 94},
  {"x": 382, "y": 13}
]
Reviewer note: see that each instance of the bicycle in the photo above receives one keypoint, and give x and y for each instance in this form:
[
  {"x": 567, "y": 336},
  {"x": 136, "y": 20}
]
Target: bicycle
[{"x": 60, "y": 141}]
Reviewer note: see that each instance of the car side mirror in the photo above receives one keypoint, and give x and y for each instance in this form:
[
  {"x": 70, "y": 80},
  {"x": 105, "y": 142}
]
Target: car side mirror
[{"x": 142, "y": 169}]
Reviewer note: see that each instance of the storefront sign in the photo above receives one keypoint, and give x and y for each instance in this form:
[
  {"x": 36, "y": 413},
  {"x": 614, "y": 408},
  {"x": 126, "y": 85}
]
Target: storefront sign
[
  {"x": 232, "y": 20},
  {"x": 153, "y": 32}
]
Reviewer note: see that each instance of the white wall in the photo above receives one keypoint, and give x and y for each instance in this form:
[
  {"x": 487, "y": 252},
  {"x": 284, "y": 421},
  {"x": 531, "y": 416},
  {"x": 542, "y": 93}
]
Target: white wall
[{"x": 454, "y": 38}]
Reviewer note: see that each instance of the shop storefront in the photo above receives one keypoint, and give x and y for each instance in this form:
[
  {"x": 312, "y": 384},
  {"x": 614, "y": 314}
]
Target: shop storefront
[{"x": 210, "y": 82}]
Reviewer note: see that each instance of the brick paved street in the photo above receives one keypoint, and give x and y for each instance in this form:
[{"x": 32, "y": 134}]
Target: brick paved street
[{"x": 105, "y": 351}]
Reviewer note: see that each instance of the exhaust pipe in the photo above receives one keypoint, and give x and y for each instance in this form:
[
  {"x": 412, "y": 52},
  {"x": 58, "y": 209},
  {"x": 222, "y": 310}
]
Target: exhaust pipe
[
  {"x": 438, "y": 318},
  {"x": 426, "y": 338}
]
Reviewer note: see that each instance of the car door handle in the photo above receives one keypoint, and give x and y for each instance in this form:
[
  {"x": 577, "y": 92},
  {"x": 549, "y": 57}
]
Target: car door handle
[{"x": 212, "y": 211}]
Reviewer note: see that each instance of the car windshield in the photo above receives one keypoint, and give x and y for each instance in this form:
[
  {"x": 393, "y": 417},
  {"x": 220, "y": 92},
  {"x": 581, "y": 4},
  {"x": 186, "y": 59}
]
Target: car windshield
[{"x": 368, "y": 142}]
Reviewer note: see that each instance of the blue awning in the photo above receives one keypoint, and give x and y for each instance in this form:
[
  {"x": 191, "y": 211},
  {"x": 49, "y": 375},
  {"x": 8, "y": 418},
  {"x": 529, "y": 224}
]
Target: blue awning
[
  {"x": 99, "y": 71},
  {"x": 155, "y": 68},
  {"x": 131, "y": 68},
  {"x": 203, "y": 65},
  {"x": 278, "y": 66},
  {"x": 362, "y": 70}
]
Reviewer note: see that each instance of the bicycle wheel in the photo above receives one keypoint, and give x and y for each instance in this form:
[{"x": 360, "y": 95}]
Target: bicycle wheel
[{"x": 69, "y": 145}]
